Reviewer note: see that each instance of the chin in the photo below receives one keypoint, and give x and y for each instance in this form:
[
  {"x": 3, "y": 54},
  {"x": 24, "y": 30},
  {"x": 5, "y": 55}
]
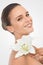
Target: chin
[
  {"x": 27, "y": 33},
  {"x": 30, "y": 31}
]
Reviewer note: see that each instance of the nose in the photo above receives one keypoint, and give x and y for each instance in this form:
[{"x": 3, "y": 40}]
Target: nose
[{"x": 28, "y": 19}]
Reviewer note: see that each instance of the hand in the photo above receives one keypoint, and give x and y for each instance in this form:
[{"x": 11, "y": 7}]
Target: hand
[
  {"x": 39, "y": 54},
  {"x": 40, "y": 51}
]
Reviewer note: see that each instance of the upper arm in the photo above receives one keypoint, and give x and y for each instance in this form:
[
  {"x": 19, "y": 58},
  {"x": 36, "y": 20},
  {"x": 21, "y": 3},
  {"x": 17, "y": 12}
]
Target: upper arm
[
  {"x": 16, "y": 61},
  {"x": 12, "y": 59}
]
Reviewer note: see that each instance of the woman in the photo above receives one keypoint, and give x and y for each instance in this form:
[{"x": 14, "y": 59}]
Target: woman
[{"x": 17, "y": 20}]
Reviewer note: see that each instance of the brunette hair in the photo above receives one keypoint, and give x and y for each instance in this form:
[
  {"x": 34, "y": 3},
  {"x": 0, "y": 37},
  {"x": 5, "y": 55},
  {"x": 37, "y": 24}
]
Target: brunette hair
[{"x": 5, "y": 13}]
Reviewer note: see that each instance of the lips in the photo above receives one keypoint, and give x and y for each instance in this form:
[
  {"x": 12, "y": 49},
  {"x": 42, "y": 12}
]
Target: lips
[{"x": 28, "y": 25}]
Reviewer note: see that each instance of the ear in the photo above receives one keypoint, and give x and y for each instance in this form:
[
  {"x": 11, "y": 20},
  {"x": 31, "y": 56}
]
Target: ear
[{"x": 10, "y": 28}]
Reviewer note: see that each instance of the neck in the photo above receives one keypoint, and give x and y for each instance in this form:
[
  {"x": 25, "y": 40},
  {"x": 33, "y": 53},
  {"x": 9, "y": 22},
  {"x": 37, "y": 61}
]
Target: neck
[{"x": 17, "y": 36}]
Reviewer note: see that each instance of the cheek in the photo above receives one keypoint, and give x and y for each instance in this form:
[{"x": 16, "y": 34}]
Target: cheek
[{"x": 18, "y": 27}]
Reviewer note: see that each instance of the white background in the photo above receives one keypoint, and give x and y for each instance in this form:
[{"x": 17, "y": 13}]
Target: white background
[{"x": 35, "y": 7}]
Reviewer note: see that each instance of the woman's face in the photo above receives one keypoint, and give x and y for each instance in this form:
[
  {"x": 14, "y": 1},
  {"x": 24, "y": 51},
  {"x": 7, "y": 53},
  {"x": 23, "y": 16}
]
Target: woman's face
[{"x": 21, "y": 20}]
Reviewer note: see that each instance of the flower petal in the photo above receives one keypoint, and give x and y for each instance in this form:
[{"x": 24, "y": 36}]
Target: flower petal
[
  {"x": 32, "y": 50},
  {"x": 15, "y": 47},
  {"x": 18, "y": 54}
]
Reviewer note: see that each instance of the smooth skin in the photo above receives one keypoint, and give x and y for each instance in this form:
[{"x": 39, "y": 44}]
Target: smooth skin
[
  {"x": 21, "y": 24},
  {"x": 23, "y": 60}
]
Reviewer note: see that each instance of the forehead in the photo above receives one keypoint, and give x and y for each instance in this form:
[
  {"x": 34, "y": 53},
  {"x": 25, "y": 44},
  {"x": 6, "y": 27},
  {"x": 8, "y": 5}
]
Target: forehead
[{"x": 18, "y": 10}]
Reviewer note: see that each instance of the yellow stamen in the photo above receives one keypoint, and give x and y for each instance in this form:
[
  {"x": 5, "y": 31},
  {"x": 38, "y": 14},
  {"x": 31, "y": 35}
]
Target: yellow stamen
[{"x": 25, "y": 47}]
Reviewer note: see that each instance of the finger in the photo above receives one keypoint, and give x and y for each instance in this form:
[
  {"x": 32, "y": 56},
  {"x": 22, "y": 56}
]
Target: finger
[{"x": 36, "y": 49}]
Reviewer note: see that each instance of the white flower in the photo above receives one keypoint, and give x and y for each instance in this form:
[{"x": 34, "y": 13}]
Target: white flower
[{"x": 23, "y": 46}]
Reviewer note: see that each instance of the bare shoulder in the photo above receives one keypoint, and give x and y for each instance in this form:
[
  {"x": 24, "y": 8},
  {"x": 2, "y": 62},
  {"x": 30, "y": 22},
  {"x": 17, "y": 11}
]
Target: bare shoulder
[
  {"x": 16, "y": 61},
  {"x": 23, "y": 60},
  {"x": 12, "y": 59}
]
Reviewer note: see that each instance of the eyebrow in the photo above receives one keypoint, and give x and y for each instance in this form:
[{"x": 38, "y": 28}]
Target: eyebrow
[
  {"x": 27, "y": 12},
  {"x": 21, "y": 15}
]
